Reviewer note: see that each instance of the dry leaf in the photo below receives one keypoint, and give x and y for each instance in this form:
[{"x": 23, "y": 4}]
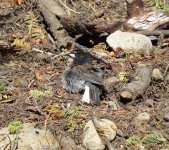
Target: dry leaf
[
  {"x": 39, "y": 74},
  {"x": 17, "y": 2}
]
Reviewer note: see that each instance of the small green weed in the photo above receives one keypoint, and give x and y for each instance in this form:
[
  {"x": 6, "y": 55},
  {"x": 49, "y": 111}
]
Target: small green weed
[{"x": 14, "y": 126}]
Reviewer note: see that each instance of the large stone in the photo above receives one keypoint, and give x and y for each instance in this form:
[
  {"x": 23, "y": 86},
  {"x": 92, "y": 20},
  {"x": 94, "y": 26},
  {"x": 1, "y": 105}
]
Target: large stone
[
  {"x": 130, "y": 42},
  {"x": 29, "y": 138},
  {"x": 91, "y": 139}
]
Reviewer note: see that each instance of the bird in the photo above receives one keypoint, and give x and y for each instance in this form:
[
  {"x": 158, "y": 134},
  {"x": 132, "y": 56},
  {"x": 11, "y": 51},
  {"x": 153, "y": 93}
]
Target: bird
[{"x": 82, "y": 76}]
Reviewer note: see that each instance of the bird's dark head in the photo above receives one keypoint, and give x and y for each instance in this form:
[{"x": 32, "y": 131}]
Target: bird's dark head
[{"x": 80, "y": 57}]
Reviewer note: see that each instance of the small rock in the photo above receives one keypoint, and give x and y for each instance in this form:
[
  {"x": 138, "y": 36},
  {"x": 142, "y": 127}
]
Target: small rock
[
  {"x": 113, "y": 105},
  {"x": 91, "y": 139},
  {"x": 149, "y": 102},
  {"x": 130, "y": 42},
  {"x": 141, "y": 119},
  {"x": 166, "y": 117},
  {"x": 157, "y": 74},
  {"x": 67, "y": 143},
  {"x": 106, "y": 127},
  {"x": 143, "y": 116},
  {"x": 167, "y": 77}
]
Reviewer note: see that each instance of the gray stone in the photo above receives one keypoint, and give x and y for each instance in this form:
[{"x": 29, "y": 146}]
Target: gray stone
[
  {"x": 67, "y": 143},
  {"x": 167, "y": 77},
  {"x": 157, "y": 74},
  {"x": 166, "y": 117},
  {"x": 149, "y": 102}
]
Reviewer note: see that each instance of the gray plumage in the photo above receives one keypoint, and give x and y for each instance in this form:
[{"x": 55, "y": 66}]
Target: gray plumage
[{"x": 82, "y": 76}]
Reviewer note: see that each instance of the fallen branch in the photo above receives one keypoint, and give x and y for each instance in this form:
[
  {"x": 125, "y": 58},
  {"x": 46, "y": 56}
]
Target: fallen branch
[
  {"x": 155, "y": 32},
  {"x": 138, "y": 85}
]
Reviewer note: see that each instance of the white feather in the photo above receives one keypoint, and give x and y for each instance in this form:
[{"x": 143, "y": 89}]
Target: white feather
[{"x": 86, "y": 97}]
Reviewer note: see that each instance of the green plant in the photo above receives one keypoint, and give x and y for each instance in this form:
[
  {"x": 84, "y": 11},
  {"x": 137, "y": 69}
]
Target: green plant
[
  {"x": 3, "y": 87},
  {"x": 14, "y": 127},
  {"x": 147, "y": 139},
  {"x": 123, "y": 76},
  {"x": 37, "y": 93},
  {"x": 70, "y": 113},
  {"x": 160, "y": 4},
  {"x": 153, "y": 138},
  {"x": 133, "y": 140}
]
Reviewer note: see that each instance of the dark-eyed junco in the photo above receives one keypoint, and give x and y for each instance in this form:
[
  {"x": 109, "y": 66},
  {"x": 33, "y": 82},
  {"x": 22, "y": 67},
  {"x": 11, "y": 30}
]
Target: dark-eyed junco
[{"x": 81, "y": 76}]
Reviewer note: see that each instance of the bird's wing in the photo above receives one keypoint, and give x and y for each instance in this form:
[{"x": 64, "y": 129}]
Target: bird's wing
[{"x": 89, "y": 75}]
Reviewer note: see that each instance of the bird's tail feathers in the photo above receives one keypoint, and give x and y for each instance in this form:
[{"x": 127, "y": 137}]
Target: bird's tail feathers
[{"x": 91, "y": 94}]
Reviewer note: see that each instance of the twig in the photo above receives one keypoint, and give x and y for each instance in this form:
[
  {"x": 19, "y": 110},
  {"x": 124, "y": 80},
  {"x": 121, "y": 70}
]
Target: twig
[
  {"x": 92, "y": 7},
  {"x": 53, "y": 56},
  {"x": 10, "y": 142},
  {"x": 16, "y": 142},
  {"x": 166, "y": 70},
  {"x": 68, "y": 7},
  {"x": 52, "y": 41},
  {"x": 47, "y": 118},
  {"x": 61, "y": 54},
  {"x": 29, "y": 85},
  {"x": 154, "y": 32}
]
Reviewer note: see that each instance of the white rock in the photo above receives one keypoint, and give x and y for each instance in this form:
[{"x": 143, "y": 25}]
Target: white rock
[
  {"x": 91, "y": 139},
  {"x": 143, "y": 116},
  {"x": 30, "y": 138},
  {"x": 106, "y": 127},
  {"x": 157, "y": 74},
  {"x": 130, "y": 42},
  {"x": 141, "y": 119}
]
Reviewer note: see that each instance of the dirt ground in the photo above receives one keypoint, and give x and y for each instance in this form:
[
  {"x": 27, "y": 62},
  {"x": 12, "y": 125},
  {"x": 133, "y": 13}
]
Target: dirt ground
[{"x": 63, "y": 113}]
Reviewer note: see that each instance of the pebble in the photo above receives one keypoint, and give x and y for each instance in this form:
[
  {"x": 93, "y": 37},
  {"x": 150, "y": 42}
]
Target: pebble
[
  {"x": 149, "y": 102},
  {"x": 141, "y": 119},
  {"x": 143, "y": 116},
  {"x": 166, "y": 117},
  {"x": 167, "y": 77},
  {"x": 157, "y": 74},
  {"x": 67, "y": 143}
]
